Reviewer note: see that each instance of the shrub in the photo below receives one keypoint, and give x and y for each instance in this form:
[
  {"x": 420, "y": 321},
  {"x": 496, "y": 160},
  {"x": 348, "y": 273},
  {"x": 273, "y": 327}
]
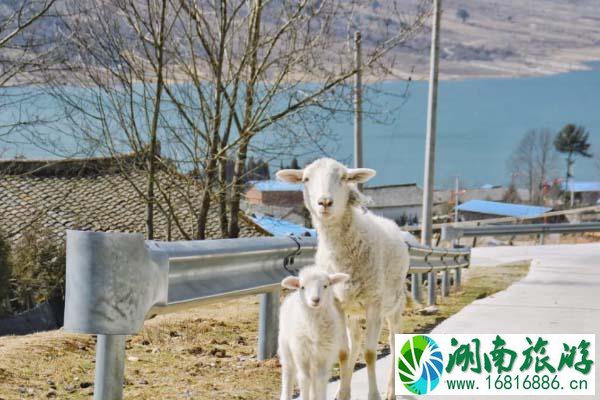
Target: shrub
[
  {"x": 38, "y": 269},
  {"x": 5, "y": 273},
  {"x": 463, "y": 14}
]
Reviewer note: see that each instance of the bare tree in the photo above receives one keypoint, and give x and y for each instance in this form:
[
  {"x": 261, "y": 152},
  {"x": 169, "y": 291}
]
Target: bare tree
[
  {"x": 261, "y": 70},
  {"x": 533, "y": 162},
  {"x": 117, "y": 64},
  {"x": 213, "y": 82}
]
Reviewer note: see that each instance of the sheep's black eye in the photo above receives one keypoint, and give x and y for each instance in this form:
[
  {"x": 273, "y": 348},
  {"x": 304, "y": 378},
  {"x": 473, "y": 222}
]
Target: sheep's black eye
[
  {"x": 325, "y": 286},
  {"x": 305, "y": 180},
  {"x": 302, "y": 287}
]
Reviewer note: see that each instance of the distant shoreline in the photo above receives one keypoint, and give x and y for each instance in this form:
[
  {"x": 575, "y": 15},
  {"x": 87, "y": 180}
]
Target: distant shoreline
[
  {"x": 562, "y": 63},
  {"x": 502, "y": 69}
]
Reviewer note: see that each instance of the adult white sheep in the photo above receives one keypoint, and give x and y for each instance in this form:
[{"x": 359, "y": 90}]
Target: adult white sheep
[
  {"x": 312, "y": 333},
  {"x": 371, "y": 249}
]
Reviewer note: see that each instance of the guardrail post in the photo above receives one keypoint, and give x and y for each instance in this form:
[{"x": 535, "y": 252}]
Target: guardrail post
[
  {"x": 457, "y": 278},
  {"x": 446, "y": 283},
  {"x": 415, "y": 284},
  {"x": 110, "y": 367},
  {"x": 268, "y": 325},
  {"x": 431, "y": 283}
]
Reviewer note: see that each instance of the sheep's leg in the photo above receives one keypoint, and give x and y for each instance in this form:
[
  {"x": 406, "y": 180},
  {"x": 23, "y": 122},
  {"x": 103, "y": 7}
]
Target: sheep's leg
[
  {"x": 304, "y": 383},
  {"x": 373, "y": 330},
  {"x": 320, "y": 375},
  {"x": 287, "y": 380},
  {"x": 353, "y": 334},
  {"x": 394, "y": 328},
  {"x": 345, "y": 374}
]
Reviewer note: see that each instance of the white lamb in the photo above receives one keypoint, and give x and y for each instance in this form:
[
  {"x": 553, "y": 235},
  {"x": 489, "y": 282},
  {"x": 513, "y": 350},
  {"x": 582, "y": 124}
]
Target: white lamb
[
  {"x": 371, "y": 249},
  {"x": 312, "y": 334}
]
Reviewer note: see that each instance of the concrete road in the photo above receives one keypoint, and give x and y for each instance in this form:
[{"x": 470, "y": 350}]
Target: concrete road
[{"x": 561, "y": 294}]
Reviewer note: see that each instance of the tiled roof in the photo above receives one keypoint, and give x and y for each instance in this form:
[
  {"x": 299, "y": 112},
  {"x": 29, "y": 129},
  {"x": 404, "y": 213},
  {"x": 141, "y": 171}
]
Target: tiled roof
[
  {"x": 91, "y": 194},
  {"x": 502, "y": 209}
]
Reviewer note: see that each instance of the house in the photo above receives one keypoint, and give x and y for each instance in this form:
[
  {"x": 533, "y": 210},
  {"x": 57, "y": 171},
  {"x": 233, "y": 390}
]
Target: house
[
  {"x": 102, "y": 194},
  {"x": 483, "y": 209},
  {"x": 281, "y": 227},
  {"x": 280, "y": 200},
  {"x": 397, "y": 202},
  {"x": 584, "y": 193},
  {"x": 275, "y": 193}
]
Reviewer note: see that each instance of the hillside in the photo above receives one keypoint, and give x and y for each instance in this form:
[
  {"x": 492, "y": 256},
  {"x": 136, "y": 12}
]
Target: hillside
[
  {"x": 504, "y": 38},
  {"x": 499, "y": 38}
]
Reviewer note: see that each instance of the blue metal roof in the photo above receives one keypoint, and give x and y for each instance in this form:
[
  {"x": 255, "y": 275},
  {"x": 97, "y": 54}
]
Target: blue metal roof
[
  {"x": 276, "y": 186},
  {"x": 583, "y": 186},
  {"x": 503, "y": 209},
  {"x": 280, "y": 227}
]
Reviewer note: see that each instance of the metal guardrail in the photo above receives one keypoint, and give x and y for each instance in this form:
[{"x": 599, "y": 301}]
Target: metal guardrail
[
  {"x": 508, "y": 220},
  {"x": 115, "y": 281},
  {"x": 452, "y": 232}
]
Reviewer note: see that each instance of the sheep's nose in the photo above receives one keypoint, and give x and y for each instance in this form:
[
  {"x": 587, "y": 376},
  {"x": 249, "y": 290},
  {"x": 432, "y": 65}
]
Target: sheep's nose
[
  {"x": 315, "y": 300},
  {"x": 325, "y": 201}
]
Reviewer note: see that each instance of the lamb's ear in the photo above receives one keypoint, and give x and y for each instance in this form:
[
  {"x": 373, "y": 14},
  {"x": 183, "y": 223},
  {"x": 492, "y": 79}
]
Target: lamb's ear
[
  {"x": 291, "y": 282},
  {"x": 290, "y": 175},
  {"x": 359, "y": 175},
  {"x": 338, "y": 278}
]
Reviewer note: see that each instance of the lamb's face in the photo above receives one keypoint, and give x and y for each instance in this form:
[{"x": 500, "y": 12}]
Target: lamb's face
[
  {"x": 328, "y": 186},
  {"x": 314, "y": 286},
  {"x": 315, "y": 290}
]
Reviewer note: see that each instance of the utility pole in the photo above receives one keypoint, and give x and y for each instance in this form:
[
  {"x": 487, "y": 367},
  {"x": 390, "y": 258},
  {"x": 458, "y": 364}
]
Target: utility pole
[
  {"x": 358, "y": 156},
  {"x": 426, "y": 229},
  {"x": 456, "y": 198}
]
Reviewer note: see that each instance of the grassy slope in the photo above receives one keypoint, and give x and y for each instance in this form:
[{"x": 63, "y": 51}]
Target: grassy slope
[{"x": 206, "y": 353}]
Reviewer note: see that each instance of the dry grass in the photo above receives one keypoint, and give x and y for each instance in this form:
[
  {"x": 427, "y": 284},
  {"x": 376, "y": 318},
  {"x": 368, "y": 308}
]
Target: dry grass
[{"x": 206, "y": 353}]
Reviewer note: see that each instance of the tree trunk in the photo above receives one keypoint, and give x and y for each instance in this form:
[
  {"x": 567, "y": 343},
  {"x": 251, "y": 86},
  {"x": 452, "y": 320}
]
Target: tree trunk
[
  {"x": 215, "y": 138},
  {"x": 246, "y": 134},
  {"x": 154, "y": 126},
  {"x": 210, "y": 173},
  {"x": 237, "y": 186},
  {"x": 222, "y": 197},
  {"x": 568, "y": 175}
]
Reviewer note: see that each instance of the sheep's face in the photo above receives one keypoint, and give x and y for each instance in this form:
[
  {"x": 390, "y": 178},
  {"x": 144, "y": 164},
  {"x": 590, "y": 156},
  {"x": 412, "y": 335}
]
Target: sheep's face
[
  {"x": 314, "y": 286},
  {"x": 329, "y": 187}
]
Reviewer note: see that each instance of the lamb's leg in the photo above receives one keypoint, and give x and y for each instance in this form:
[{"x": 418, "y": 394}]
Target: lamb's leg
[
  {"x": 394, "y": 328},
  {"x": 373, "y": 331},
  {"x": 304, "y": 383},
  {"x": 354, "y": 332},
  {"x": 287, "y": 378}
]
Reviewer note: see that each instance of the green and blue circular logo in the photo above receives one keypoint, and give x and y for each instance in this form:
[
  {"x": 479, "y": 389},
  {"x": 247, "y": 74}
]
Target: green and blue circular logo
[{"x": 420, "y": 364}]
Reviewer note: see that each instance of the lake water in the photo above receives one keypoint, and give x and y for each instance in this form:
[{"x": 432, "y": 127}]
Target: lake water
[{"x": 480, "y": 122}]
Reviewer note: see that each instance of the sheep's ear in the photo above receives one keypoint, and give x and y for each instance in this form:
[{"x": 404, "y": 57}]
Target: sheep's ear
[
  {"x": 338, "y": 278},
  {"x": 359, "y": 175},
  {"x": 290, "y": 175},
  {"x": 291, "y": 282}
]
